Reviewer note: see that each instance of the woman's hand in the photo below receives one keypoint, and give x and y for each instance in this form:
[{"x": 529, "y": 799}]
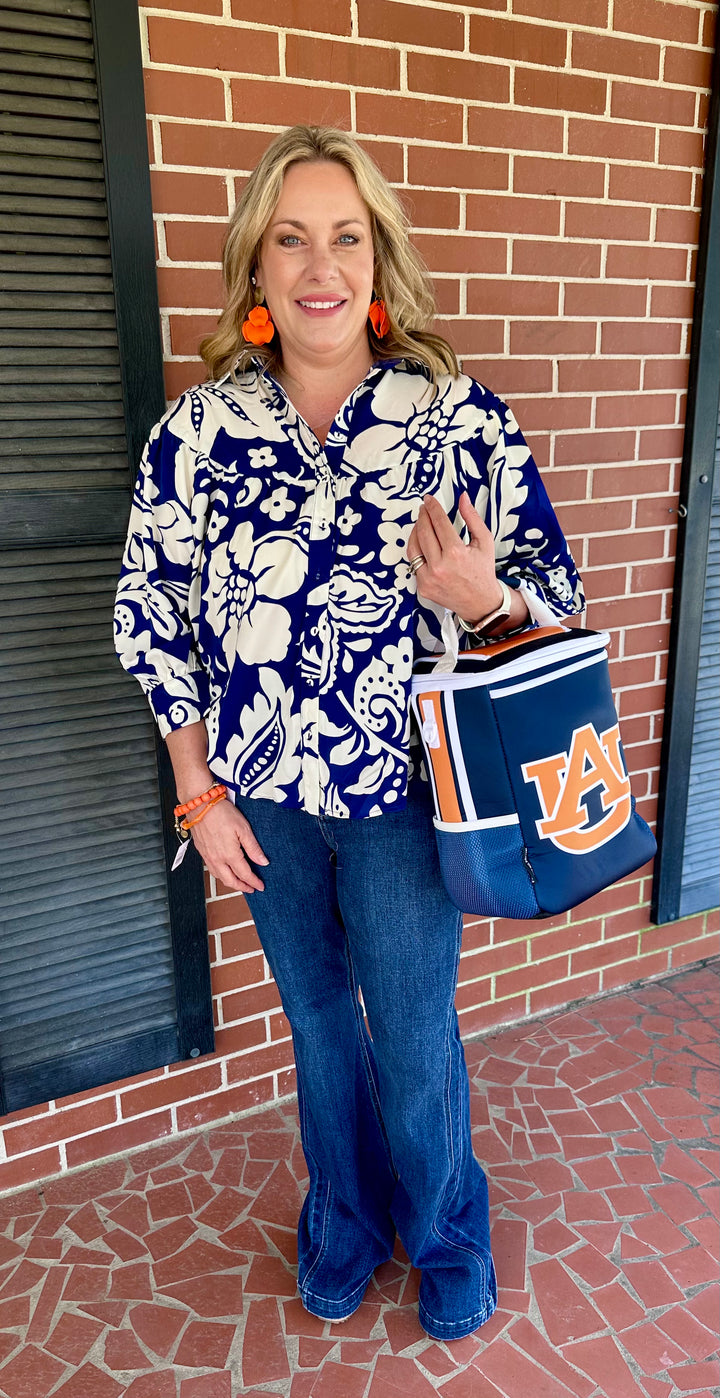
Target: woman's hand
[
  {"x": 458, "y": 576},
  {"x": 223, "y": 837},
  {"x": 225, "y": 840}
]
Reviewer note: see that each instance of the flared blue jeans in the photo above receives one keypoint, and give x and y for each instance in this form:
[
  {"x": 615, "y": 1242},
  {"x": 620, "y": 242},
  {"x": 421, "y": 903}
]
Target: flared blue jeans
[{"x": 355, "y": 905}]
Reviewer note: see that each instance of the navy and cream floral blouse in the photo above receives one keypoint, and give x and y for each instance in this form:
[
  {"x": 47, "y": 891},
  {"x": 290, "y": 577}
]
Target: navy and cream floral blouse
[{"x": 265, "y": 585}]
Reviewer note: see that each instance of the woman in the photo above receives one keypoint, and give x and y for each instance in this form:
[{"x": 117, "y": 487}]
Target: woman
[{"x": 301, "y": 523}]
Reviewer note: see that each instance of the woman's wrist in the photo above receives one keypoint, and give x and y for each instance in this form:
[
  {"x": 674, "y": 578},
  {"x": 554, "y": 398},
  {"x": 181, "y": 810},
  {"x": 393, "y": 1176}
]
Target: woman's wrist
[
  {"x": 491, "y": 612},
  {"x": 510, "y": 614},
  {"x": 193, "y": 784},
  {"x": 188, "y": 747},
  {"x": 495, "y": 616}
]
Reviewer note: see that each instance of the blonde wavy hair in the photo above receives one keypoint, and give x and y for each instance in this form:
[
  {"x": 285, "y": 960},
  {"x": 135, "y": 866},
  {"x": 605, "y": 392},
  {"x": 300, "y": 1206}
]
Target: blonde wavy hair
[{"x": 400, "y": 278}]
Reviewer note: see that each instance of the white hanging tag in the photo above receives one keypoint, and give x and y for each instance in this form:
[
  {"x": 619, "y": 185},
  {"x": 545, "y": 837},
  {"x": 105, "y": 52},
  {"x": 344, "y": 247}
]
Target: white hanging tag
[{"x": 182, "y": 851}]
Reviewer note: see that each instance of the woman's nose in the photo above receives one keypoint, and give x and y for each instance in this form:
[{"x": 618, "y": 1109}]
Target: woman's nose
[{"x": 322, "y": 264}]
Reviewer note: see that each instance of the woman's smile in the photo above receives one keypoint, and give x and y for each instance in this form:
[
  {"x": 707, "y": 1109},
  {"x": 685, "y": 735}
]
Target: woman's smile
[{"x": 317, "y": 307}]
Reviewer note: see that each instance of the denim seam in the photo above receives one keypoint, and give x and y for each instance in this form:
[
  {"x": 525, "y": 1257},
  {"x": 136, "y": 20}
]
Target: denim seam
[
  {"x": 452, "y": 1324},
  {"x": 466, "y": 1322},
  {"x": 332, "y": 1301},
  {"x": 462, "y": 1247},
  {"x": 321, "y": 1248},
  {"x": 325, "y": 832},
  {"x": 445, "y": 1201},
  {"x": 313, "y": 1205},
  {"x": 458, "y": 1102},
  {"x": 372, "y": 1089},
  {"x": 476, "y": 1317}
]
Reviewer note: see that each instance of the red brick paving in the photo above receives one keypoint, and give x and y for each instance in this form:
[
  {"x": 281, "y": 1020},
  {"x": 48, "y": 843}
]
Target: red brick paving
[{"x": 171, "y": 1273}]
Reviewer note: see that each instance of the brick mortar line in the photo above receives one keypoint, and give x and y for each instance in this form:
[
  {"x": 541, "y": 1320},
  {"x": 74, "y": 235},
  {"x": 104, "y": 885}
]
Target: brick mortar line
[
  {"x": 512, "y": 236},
  {"x": 270, "y": 1043},
  {"x": 227, "y": 95},
  {"x": 222, "y": 74},
  {"x": 484, "y": 276},
  {"x": 237, "y": 961},
  {"x": 404, "y": 89},
  {"x": 700, "y": 6},
  {"x": 420, "y": 143},
  {"x": 514, "y": 279},
  {"x": 190, "y": 220},
  {"x": 144, "y": 44},
  {"x": 371, "y": 41},
  {"x": 471, "y": 317},
  {"x": 543, "y": 432},
  {"x": 468, "y": 13},
  {"x": 621, "y": 689},
  {"x": 541, "y": 394},
  {"x": 616, "y": 162},
  {"x": 610, "y": 500}
]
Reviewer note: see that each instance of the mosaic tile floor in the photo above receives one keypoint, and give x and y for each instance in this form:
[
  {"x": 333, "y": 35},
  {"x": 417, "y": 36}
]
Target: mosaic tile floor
[{"x": 599, "y": 1131}]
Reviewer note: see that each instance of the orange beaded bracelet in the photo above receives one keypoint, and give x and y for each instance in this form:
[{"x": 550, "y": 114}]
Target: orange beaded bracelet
[
  {"x": 185, "y": 826},
  {"x": 208, "y": 798}
]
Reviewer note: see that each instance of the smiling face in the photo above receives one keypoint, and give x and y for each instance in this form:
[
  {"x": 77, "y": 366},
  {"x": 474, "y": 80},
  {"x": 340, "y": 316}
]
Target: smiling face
[{"x": 316, "y": 267}]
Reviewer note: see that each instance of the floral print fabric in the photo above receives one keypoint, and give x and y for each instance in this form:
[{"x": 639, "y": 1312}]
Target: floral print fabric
[{"x": 265, "y": 586}]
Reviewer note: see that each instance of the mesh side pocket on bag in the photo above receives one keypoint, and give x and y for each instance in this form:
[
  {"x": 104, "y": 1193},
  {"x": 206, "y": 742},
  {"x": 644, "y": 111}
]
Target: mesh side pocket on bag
[{"x": 484, "y": 871}]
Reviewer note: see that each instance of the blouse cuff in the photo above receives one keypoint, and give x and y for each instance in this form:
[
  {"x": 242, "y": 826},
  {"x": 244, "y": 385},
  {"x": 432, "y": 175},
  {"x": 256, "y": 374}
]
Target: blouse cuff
[{"x": 180, "y": 701}]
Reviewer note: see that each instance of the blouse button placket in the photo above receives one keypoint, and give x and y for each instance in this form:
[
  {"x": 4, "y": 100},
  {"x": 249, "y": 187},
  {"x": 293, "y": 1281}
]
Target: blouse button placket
[{"x": 320, "y": 555}]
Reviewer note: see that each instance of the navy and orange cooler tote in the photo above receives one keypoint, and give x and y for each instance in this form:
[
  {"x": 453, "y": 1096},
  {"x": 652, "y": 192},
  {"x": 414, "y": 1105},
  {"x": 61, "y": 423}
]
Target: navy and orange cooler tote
[{"x": 533, "y": 807}]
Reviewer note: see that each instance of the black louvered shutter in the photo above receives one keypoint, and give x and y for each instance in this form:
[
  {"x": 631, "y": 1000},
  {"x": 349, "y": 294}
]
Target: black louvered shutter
[
  {"x": 104, "y": 959},
  {"x": 700, "y": 878}
]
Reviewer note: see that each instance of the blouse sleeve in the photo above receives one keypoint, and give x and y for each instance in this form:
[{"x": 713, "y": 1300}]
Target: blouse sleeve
[
  {"x": 154, "y": 638},
  {"x": 531, "y": 552}
]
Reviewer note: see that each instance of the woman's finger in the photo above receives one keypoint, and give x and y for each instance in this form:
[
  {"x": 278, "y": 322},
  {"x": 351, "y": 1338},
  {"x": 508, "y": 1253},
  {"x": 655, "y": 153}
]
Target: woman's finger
[
  {"x": 447, "y": 537},
  {"x": 413, "y": 547},
  {"x": 246, "y": 874},
  {"x": 224, "y": 874},
  {"x": 249, "y": 843},
  {"x": 230, "y": 879},
  {"x": 428, "y": 542},
  {"x": 235, "y": 874},
  {"x": 478, "y": 530},
  {"x": 222, "y": 838}
]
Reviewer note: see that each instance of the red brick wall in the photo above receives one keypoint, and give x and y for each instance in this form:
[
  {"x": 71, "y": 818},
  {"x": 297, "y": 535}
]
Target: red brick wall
[{"x": 551, "y": 162}]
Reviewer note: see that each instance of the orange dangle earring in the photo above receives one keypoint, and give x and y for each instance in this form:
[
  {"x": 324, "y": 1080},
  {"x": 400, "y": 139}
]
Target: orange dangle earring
[
  {"x": 379, "y": 318},
  {"x": 258, "y": 329}
]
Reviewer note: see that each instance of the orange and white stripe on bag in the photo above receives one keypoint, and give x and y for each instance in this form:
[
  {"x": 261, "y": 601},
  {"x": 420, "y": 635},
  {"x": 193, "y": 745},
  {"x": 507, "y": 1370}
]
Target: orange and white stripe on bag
[
  {"x": 564, "y": 782},
  {"x": 437, "y": 720}
]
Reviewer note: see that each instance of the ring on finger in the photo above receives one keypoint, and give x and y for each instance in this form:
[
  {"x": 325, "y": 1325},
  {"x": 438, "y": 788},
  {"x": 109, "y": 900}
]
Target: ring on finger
[{"x": 416, "y": 563}]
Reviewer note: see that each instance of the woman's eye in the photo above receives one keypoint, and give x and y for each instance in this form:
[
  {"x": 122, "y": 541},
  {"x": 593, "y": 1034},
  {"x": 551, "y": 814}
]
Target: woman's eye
[
  {"x": 289, "y": 240},
  {"x": 349, "y": 239}
]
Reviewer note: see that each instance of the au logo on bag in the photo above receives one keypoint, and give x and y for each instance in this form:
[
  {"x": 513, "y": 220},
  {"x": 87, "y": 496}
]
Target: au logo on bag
[{"x": 564, "y": 783}]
